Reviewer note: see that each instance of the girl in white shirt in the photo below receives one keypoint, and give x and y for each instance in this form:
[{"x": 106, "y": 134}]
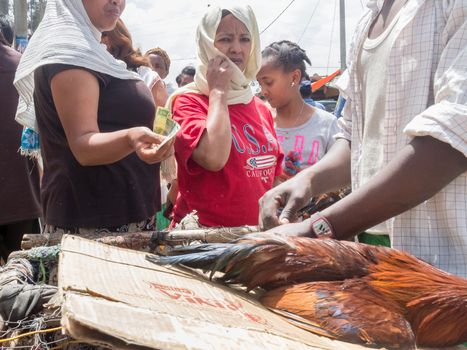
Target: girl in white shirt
[{"x": 304, "y": 132}]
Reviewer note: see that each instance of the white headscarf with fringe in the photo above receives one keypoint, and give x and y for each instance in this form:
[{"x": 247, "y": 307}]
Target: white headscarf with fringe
[
  {"x": 239, "y": 89},
  {"x": 65, "y": 35}
]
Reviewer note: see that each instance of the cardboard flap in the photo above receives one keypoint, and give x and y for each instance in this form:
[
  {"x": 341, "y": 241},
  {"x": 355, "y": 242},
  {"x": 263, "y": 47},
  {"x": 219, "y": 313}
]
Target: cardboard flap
[{"x": 114, "y": 296}]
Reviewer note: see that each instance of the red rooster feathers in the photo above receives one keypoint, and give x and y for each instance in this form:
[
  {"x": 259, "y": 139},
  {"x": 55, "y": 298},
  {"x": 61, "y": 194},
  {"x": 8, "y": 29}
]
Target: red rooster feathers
[{"x": 351, "y": 291}]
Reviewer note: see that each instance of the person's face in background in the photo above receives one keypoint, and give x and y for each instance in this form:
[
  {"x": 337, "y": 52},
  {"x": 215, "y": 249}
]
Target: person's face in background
[
  {"x": 277, "y": 86},
  {"x": 186, "y": 79},
  {"x": 233, "y": 40},
  {"x": 104, "y": 13},
  {"x": 158, "y": 65}
]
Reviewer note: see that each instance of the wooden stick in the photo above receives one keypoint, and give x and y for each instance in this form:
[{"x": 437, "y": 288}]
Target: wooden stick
[
  {"x": 48, "y": 239},
  {"x": 145, "y": 240},
  {"x": 208, "y": 235}
]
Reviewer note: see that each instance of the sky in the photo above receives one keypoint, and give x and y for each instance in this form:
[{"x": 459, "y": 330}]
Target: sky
[{"x": 313, "y": 24}]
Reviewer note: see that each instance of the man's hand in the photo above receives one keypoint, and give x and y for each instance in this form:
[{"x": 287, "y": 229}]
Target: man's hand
[
  {"x": 299, "y": 229},
  {"x": 291, "y": 196}
]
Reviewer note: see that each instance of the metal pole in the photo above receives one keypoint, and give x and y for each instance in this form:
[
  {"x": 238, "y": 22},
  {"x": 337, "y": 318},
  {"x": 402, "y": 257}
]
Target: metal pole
[
  {"x": 4, "y": 7},
  {"x": 20, "y": 10},
  {"x": 342, "y": 35}
]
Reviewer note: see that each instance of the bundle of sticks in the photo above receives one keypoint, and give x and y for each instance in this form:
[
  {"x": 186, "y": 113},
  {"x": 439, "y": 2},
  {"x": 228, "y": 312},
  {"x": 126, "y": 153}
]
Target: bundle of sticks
[
  {"x": 146, "y": 241},
  {"x": 150, "y": 240}
]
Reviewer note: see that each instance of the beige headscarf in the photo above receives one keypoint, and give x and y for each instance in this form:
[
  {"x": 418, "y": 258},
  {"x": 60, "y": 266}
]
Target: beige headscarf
[
  {"x": 240, "y": 91},
  {"x": 66, "y": 35}
]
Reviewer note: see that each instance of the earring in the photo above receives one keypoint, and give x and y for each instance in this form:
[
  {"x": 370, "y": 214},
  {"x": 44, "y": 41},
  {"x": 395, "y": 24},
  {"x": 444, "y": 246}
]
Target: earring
[{"x": 292, "y": 84}]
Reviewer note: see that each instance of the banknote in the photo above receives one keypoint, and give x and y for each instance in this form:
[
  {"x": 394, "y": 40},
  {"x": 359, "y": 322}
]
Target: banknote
[{"x": 164, "y": 125}]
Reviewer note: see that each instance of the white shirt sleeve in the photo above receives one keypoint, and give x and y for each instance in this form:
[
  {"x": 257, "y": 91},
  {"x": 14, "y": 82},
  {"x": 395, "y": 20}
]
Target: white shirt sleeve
[{"x": 446, "y": 119}]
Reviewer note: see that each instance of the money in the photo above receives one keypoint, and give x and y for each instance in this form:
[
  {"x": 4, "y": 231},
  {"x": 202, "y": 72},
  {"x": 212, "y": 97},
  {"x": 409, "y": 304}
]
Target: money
[{"x": 164, "y": 125}]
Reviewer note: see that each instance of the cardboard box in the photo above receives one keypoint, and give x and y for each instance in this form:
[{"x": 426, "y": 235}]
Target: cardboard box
[{"x": 115, "y": 297}]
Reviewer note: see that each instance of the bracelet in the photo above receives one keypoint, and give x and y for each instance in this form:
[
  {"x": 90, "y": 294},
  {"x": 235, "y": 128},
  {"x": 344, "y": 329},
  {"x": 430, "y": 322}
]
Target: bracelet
[{"x": 321, "y": 227}]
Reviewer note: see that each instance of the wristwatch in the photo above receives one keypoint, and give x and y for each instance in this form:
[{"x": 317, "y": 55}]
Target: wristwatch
[{"x": 321, "y": 227}]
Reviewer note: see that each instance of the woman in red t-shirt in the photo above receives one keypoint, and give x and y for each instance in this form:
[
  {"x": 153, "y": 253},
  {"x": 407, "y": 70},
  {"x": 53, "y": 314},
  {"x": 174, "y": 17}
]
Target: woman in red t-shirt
[{"x": 227, "y": 152}]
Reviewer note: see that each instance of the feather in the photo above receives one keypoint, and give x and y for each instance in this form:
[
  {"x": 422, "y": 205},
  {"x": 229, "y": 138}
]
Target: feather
[
  {"x": 434, "y": 301},
  {"x": 230, "y": 256},
  {"x": 347, "y": 290},
  {"x": 272, "y": 263},
  {"x": 348, "y": 310},
  {"x": 269, "y": 261},
  {"x": 195, "y": 248},
  {"x": 304, "y": 323},
  {"x": 201, "y": 260}
]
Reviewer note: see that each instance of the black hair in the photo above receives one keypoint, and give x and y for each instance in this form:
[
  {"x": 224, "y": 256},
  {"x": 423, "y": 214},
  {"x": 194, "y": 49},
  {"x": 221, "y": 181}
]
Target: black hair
[
  {"x": 6, "y": 29},
  {"x": 189, "y": 70},
  {"x": 288, "y": 55},
  {"x": 178, "y": 79}
]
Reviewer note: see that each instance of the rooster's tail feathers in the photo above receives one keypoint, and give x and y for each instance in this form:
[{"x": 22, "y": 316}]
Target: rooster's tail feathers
[{"x": 201, "y": 256}]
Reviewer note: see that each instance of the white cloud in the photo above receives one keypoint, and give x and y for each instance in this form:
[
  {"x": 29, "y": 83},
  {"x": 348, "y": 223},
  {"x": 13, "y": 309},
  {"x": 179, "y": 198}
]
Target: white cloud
[{"x": 171, "y": 25}]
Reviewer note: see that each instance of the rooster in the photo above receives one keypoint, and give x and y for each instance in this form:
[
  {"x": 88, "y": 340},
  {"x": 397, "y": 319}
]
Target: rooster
[{"x": 351, "y": 291}]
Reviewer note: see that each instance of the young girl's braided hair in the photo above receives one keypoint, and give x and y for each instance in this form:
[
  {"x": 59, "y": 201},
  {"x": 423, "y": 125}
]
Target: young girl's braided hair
[{"x": 287, "y": 55}]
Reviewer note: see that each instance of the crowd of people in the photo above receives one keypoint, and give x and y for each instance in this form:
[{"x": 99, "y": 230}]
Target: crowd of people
[{"x": 401, "y": 143}]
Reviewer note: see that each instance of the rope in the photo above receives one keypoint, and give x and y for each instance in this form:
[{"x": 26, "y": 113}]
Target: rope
[
  {"x": 31, "y": 333},
  {"x": 308, "y": 23},
  {"x": 277, "y": 17},
  {"x": 45, "y": 345}
]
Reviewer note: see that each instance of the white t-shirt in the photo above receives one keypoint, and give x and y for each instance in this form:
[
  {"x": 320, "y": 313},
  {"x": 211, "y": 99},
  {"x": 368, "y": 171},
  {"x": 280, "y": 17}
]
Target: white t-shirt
[
  {"x": 426, "y": 95},
  {"x": 312, "y": 139},
  {"x": 372, "y": 69}
]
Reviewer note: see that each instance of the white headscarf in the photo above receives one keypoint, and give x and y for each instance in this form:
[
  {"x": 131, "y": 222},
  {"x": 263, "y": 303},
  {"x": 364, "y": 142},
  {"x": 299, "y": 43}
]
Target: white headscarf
[
  {"x": 66, "y": 35},
  {"x": 239, "y": 91}
]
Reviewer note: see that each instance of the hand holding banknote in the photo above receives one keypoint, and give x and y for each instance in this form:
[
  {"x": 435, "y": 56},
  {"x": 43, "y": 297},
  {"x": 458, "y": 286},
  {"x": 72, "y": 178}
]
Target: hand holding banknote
[
  {"x": 167, "y": 128},
  {"x": 156, "y": 153},
  {"x": 164, "y": 125}
]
